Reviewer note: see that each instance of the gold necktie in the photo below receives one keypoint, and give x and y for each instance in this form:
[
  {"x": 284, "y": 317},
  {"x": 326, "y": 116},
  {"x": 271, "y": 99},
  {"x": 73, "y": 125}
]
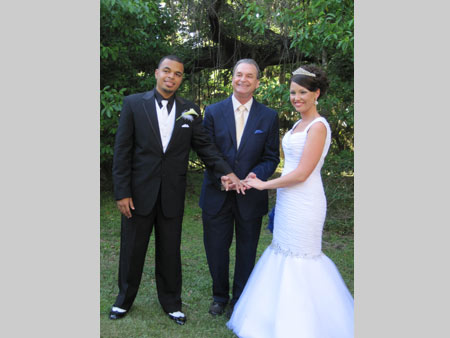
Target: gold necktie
[{"x": 240, "y": 119}]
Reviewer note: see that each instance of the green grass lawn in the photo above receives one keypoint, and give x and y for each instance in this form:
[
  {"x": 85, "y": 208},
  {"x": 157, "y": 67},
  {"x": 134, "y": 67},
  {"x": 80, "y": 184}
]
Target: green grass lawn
[{"x": 146, "y": 317}]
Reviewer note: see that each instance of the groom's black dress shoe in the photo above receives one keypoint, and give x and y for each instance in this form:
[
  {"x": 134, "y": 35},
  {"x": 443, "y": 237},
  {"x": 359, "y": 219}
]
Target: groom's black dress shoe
[
  {"x": 178, "y": 320},
  {"x": 216, "y": 308},
  {"x": 116, "y": 315}
]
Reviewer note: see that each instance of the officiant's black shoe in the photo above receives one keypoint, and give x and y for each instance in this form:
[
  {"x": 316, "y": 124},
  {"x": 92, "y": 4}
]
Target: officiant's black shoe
[
  {"x": 180, "y": 320},
  {"x": 217, "y": 308},
  {"x": 116, "y": 315},
  {"x": 230, "y": 310}
]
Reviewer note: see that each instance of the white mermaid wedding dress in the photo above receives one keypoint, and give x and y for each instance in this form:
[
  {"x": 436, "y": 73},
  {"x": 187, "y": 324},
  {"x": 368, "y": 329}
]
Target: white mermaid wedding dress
[{"x": 295, "y": 290}]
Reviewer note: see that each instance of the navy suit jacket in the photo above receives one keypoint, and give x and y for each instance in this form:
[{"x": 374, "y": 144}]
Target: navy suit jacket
[
  {"x": 142, "y": 170},
  {"x": 259, "y": 152}
]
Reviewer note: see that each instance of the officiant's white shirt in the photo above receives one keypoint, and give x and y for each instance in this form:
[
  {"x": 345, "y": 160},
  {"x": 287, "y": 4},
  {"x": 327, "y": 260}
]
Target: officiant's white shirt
[{"x": 237, "y": 104}]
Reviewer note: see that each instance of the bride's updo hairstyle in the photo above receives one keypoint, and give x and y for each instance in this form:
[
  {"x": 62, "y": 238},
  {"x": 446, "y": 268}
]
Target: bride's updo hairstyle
[{"x": 312, "y": 78}]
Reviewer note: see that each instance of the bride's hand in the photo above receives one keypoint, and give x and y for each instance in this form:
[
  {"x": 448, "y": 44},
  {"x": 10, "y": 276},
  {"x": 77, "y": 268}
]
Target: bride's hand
[{"x": 255, "y": 183}]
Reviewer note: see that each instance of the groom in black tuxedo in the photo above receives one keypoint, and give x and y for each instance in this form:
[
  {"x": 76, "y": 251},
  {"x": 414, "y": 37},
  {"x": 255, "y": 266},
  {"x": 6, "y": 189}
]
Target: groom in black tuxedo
[{"x": 156, "y": 131}]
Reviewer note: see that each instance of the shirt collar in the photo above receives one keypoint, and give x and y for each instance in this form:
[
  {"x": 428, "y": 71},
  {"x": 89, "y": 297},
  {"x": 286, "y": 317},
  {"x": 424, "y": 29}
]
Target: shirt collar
[
  {"x": 159, "y": 98},
  {"x": 237, "y": 104}
]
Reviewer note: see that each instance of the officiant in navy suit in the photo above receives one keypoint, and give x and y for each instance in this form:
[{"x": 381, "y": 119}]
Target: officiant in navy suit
[
  {"x": 246, "y": 132},
  {"x": 156, "y": 131}
]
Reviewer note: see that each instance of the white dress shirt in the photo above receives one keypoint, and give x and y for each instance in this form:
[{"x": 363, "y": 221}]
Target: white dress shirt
[{"x": 166, "y": 122}]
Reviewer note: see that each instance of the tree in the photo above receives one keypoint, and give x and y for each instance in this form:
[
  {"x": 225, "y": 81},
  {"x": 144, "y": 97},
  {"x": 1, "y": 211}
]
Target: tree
[
  {"x": 211, "y": 35},
  {"x": 133, "y": 37}
]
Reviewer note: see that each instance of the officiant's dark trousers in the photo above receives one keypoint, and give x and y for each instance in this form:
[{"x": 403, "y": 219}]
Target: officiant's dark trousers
[
  {"x": 134, "y": 238},
  {"x": 217, "y": 237}
]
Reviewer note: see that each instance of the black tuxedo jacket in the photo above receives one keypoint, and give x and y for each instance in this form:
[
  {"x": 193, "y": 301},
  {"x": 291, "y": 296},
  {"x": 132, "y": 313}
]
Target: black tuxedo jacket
[{"x": 140, "y": 167}]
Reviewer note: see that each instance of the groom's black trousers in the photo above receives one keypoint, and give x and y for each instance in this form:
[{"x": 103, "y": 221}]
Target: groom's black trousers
[{"x": 134, "y": 238}]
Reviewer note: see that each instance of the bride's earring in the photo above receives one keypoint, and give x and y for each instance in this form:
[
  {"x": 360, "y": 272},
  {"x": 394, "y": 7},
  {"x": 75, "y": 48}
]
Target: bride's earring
[{"x": 317, "y": 102}]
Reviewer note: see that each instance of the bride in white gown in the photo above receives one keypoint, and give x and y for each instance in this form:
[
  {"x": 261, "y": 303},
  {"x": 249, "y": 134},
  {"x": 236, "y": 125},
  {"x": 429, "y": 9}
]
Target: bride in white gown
[{"x": 295, "y": 290}]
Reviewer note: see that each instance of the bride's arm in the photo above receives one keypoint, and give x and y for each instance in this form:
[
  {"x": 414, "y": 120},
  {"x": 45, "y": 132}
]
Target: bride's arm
[{"x": 315, "y": 142}]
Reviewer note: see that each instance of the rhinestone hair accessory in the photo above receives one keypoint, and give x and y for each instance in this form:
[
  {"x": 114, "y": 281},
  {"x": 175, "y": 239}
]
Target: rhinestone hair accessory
[{"x": 301, "y": 71}]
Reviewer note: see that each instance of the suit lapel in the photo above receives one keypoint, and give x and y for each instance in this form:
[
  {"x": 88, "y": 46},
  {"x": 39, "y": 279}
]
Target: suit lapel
[
  {"x": 228, "y": 115},
  {"x": 179, "y": 108},
  {"x": 150, "y": 111}
]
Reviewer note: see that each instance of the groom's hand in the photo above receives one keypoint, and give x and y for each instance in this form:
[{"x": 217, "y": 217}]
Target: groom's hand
[{"x": 124, "y": 205}]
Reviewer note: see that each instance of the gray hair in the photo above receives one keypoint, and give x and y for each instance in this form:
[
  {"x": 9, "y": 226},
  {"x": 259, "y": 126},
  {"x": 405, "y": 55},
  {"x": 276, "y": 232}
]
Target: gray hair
[{"x": 249, "y": 61}]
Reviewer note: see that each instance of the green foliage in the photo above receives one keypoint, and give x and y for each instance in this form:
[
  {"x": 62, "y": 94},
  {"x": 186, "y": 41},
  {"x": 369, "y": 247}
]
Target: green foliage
[
  {"x": 110, "y": 105},
  {"x": 339, "y": 164},
  {"x": 340, "y": 199},
  {"x": 323, "y": 25},
  {"x": 134, "y": 35},
  {"x": 337, "y": 174},
  {"x": 254, "y": 17},
  {"x": 313, "y": 26},
  {"x": 338, "y": 108}
]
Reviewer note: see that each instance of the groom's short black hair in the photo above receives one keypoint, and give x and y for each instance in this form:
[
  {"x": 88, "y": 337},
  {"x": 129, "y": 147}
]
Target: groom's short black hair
[{"x": 170, "y": 57}]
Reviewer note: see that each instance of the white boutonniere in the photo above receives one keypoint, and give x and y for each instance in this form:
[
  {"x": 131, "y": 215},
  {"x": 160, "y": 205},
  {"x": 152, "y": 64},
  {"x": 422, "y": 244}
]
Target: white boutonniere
[{"x": 188, "y": 115}]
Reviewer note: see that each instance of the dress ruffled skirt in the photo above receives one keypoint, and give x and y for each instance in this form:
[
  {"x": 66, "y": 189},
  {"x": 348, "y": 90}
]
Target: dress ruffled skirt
[{"x": 288, "y": 296}]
